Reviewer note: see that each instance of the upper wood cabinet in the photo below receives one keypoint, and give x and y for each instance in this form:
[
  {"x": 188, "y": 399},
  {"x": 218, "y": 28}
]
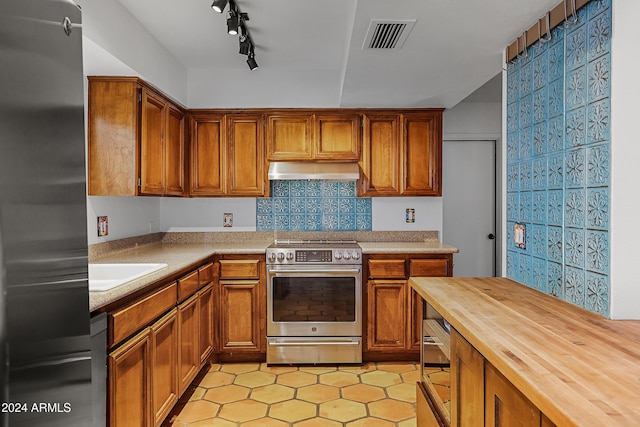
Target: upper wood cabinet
[
  {"x": 227, "y": 154},
  {"x": 208, "y": 153},
  {"x": 309, "y": 135},
  {"x": 245, "y": 155},
  {"x": 136, "y": 139},
  {"x": 401, "y": 153},
  {"x": 290, "y": 136}
]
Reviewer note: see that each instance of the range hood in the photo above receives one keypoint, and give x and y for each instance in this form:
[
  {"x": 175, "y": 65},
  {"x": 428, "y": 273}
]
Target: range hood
[{"x": 314, "y": 170}]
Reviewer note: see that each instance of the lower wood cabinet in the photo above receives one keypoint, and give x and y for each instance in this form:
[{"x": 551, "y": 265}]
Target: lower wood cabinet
[
  {"x": 206, "y": 341},
  {"x": 242, "y": 314},
  {"x": 130, "y": 383},
  {"x": 239, "y": 307},
  {"x": 505, "y": 405},
  {"x": 149, "y": 371},
  {"x": 188, "y": 349},
  {"x": 394, "y": 310},
  {"x": 164, "y": 359},
  {"x": 482, "y": 396},
  {"x": 387, "y": 314},
  {"x": 467, "y": 383}
]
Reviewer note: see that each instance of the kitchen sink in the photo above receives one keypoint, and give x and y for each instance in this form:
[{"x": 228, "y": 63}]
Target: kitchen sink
[{"x": 104, "y": 277}]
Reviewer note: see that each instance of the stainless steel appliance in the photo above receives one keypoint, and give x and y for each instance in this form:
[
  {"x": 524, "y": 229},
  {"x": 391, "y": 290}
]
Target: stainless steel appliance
[
  {"x": 314, "y": 302},
  {"x": 44, "y": 296},
  {"x": 435, "y": 338}
]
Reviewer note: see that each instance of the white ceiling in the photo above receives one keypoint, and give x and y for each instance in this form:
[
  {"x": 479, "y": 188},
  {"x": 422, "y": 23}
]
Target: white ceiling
[{"x": 454, "y": 48}]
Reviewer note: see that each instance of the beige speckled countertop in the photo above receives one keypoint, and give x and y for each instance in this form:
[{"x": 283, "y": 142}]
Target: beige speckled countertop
[
  {"x": 177, "y": 256},
  {"x": 181, "y": 250},
  {"x": 426, "y": 247}
]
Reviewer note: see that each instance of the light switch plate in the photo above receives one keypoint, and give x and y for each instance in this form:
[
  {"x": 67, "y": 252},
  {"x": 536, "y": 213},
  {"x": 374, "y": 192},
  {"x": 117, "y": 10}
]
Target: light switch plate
[
  {"x": 410, "y": 216},
  {"x": 227, "y": 220},
  {"x": 103, "y": 226}
]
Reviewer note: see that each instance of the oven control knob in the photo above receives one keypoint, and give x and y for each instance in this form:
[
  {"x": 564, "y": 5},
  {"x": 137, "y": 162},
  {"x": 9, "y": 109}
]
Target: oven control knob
[
  {"x": 355, "y": 255},
  {"x": 289, "y": 256},
  {"x": 280, "y": 256},
  {"x": 337, "y": 255},
  {"x": 272, "y": 256},
  {"x": 346, "y": 255}
]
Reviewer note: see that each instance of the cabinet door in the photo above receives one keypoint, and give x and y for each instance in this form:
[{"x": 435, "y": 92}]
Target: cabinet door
[
  {"x": 164, "y": 363},
  {"x": 152, "y": 152},
  {"x": 130, "y": 383},
  {"x": 205, "y": 315},
  {"x": 245, "y": 158},
  {"x": 426, "y": 413},
  {"x": 414, "y": 326},
  {"x": 188, "y": 349},
  {"x": 112, "y": 138},
  {"x": 289, "y": 136},
  {"x": 337, "y": 137},
  {"x": 422, "y": 154},
  {"x": 208, "y": 153},
  {"x": 467, "y": 383},
  {"x": 380, "y": 160},
  {"x": 386, "y": 314},
  {"x": 505, "y": 405},
  {"x": 174, "y": 152},
  {"x": 240, "y": 315}
]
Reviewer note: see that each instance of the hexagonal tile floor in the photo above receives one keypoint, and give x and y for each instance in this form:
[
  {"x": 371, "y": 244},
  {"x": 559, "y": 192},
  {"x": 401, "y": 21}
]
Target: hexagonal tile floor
[{"x": 254, "y": 394}]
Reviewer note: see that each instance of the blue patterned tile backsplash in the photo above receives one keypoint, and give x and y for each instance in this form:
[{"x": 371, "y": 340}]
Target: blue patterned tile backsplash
[
  {"x": 313, "y": 206},
  {"x": 558, "y": 161}
]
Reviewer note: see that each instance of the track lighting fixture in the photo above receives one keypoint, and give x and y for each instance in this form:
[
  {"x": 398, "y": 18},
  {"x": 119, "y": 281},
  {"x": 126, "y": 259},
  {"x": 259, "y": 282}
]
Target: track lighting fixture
[
  {"x": 251, "y": 61},
  {"x": 219, "y": 5},
  {"x": 232, "y": 23},
  {"x": 245, "y": 46},
  {"x": 236, "y": 24}
]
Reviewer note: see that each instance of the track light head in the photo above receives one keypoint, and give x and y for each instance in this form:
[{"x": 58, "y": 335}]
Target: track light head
[
  {"x": 219, "y": 5},
  {"x": 232, "y": 23},
  {"x": 251, "y": 61},
  {"x": 245, "y": 45}
]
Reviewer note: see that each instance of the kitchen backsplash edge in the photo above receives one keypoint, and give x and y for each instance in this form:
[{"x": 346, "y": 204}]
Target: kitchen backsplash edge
[{"x": 101, "y": 249}]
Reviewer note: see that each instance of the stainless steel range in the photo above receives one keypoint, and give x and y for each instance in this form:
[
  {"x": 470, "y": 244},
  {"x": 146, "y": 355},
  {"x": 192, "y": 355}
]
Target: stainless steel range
[{"x": 314, "y": 302}]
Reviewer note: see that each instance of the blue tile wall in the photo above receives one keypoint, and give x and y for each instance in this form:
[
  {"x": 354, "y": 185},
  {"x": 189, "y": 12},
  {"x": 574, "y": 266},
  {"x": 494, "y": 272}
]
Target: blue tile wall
[
  {"x": 558, "y": 161},
  {"x": 313, "y": 206}
]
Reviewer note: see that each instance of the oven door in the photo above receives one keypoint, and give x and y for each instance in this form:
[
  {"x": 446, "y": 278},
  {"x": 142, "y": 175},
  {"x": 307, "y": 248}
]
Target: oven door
[{"x": 314, "y": 301}]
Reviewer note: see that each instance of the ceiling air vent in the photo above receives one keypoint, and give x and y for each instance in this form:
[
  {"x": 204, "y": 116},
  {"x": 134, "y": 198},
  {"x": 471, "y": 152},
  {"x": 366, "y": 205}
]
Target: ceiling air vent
[{"x": 387, "y": 34}]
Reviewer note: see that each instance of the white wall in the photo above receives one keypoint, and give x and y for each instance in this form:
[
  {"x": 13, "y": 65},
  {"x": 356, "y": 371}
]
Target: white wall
[
  {"x": 625, "y": 174},
  {"x": 128, "y": 216},
  {"x": 389, "y": 213},
  {"x": 284, "y": 90},
  {"x": 103, "y": 23},
  {"x": 472, "y": 120},
  {"x": 206, "y": 214}
]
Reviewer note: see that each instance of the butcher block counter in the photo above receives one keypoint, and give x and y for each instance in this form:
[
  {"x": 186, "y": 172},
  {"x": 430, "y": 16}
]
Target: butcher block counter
[{"x": 576, "y": 367}]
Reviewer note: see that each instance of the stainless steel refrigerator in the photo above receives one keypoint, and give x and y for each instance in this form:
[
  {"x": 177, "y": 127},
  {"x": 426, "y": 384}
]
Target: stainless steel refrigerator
[{"x": 44, "y": 316}]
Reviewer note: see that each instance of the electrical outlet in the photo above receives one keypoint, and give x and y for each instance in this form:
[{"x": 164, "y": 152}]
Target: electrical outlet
[
  {"x": 103, "y": 226},
  {"x": 227, "y": 220},
  {"x": 410, "y": 215}
]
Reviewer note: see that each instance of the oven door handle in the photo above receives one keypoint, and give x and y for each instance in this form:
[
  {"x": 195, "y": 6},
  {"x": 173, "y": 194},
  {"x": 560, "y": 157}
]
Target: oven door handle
[
  {"x": 311, "y": 343},
  {"x": 324, "y": 272}
]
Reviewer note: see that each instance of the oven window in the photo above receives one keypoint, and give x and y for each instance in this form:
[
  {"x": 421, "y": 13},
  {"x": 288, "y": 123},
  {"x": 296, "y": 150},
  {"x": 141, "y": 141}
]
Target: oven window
[{"x": 314, "y": 299}]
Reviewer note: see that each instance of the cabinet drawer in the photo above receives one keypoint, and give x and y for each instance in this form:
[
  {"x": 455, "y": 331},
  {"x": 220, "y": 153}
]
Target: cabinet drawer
[
  {"x": 386, "y": 269},
  {"x": 239, "y": 269},
  {"x": 428, "y": 267},
  {"x": 205, "y": 274},
  {"x": 187, "y": 285},
  {"x": 140, "y": 314}
]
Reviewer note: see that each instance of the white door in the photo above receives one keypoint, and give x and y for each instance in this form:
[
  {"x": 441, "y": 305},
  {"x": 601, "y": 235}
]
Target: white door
[{"x": 469, "y": 205}]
